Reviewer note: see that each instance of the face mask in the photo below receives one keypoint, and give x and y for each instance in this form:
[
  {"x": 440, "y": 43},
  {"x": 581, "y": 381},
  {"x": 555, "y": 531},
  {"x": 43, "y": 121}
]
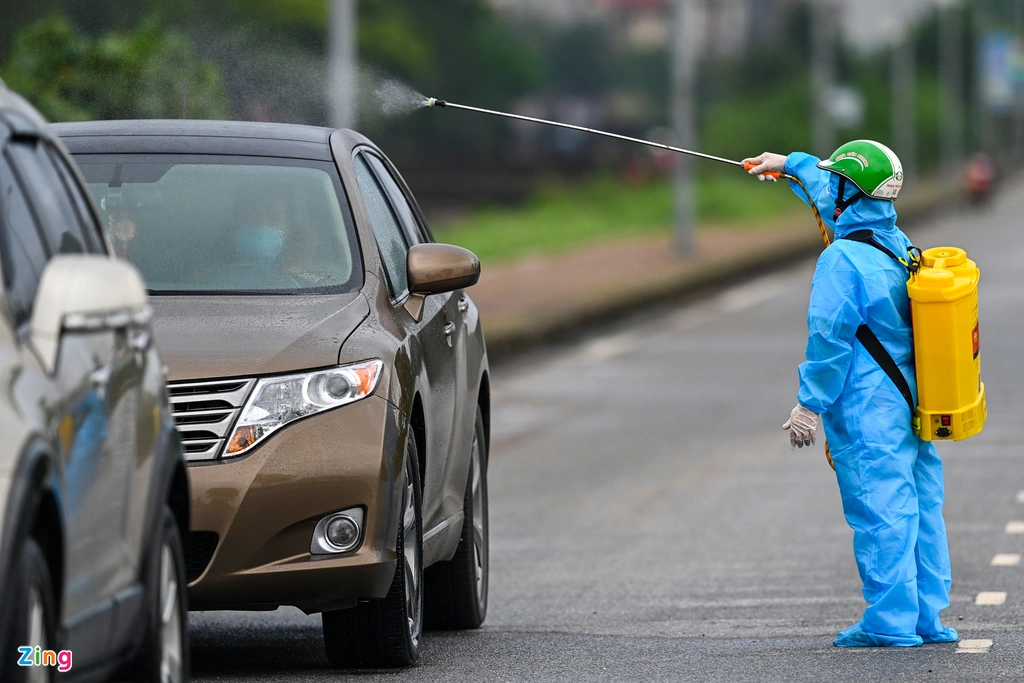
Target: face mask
[{"x": 259, "y": 242}]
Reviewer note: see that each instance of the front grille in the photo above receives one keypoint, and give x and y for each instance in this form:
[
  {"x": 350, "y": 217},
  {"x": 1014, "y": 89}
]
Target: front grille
[
  {"x": 205, "y": 413},
  {"x": 201, "y": 546}
]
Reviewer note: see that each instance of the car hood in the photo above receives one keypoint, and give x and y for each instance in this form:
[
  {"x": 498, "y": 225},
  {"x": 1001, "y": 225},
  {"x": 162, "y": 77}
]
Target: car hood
[{"x": 202, "y": 337}]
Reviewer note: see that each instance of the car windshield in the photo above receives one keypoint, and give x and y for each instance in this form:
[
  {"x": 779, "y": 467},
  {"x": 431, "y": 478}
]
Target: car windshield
[{"x": 215, "y": 225}]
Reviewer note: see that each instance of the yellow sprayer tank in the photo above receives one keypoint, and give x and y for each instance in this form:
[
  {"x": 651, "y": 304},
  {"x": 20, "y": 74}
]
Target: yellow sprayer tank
[{"x": 944, "y": 304}]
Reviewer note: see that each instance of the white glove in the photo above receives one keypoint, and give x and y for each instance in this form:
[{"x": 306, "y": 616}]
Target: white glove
[
  {"x": 767, "y": 162},
  {"x": 802, "y": 425}
]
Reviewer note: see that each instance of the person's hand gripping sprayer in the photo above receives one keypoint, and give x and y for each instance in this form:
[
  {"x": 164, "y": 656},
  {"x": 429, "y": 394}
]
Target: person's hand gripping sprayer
[
  {"x": 767, "y": 166},
  {"x": 890, "y": 480}
]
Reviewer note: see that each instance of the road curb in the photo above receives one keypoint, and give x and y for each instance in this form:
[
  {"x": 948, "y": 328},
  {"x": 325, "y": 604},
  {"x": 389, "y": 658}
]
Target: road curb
[{"x": 691, "y": 285}]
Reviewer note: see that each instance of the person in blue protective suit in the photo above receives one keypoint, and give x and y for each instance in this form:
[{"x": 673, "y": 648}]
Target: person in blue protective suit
[{"x": 891, "y": 482}]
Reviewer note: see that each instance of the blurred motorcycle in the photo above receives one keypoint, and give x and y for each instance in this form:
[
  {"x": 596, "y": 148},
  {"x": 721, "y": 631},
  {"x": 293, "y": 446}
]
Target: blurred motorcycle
[{"x": 979, "y": 178}]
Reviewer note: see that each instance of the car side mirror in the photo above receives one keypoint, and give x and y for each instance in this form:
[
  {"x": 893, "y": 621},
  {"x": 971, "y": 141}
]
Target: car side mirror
[
  {"x": 84, "y": 293},
  {"x": 440, "y": 268}
]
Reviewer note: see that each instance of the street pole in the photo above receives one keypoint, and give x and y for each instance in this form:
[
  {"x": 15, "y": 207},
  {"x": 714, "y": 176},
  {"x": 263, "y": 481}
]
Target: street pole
[
  {"x": 824, "y": 42},
  {"x": 1018, "y": 100},
  {"x": 342, "y": 42},
  {"x": 951, "y": 90},
  {"x": 685, "y": 37},
  {"x": 904, "y": 105}
]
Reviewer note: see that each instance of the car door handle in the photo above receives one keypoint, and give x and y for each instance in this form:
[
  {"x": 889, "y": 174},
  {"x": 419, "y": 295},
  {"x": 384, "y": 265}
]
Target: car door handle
[
  {"x": 140, "y": 341},
  {"x": 100, "y": 379},
  {"x": 463, "y": 304}
]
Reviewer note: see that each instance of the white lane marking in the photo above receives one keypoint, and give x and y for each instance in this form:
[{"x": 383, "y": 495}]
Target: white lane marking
[
  {"x": 692, "y": 319},
  {"x": 1006, "y": 560},
  {"x": 1015, "y": 528},
  {"x": 606, "y": 348},
  {"x": 1020, "y": 496},
  {"x": 974, "y": 647},
  {"x": 754, "y": 293},
  {"x": 990, "y": 598}
]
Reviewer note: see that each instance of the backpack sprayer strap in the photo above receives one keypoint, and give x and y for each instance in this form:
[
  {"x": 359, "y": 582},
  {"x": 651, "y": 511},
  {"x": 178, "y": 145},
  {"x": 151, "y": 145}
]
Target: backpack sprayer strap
[
  {"x": 912, "y": 263},
  {"x": 885, "y": 361},
  {"x": 871, "y": 342}
]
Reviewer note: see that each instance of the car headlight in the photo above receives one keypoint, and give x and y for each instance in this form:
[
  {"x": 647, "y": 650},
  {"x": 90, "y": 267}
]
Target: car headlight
[{"x": 276, "y": 401}]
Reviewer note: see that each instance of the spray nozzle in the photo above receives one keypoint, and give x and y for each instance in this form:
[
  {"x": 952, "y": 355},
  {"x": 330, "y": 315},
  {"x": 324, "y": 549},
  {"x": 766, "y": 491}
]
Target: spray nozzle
[{"x": 434, "y": 102}]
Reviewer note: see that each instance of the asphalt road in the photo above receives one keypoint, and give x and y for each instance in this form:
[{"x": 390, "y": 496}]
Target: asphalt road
[{"x": 649, "y": 521}]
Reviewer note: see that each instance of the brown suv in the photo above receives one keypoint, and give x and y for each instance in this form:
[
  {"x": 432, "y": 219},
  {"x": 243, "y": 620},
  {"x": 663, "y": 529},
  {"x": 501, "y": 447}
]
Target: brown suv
[{"x": 328, "y": 373}]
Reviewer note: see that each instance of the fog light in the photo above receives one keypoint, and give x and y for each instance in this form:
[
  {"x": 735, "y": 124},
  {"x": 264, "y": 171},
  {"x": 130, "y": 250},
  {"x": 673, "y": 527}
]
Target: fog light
[
  {"x": 338, "y": 532},
  {"x": 342, "y": 533}
]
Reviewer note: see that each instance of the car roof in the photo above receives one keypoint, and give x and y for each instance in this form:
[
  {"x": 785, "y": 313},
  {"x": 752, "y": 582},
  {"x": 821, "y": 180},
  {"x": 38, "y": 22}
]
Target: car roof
[
  {"x": 18, "y": 113},
  {"x": 189, "y": 136}
]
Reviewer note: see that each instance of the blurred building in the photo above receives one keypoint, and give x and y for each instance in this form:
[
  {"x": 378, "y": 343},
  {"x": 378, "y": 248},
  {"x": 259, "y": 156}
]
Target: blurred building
[
  {"x": 559, "y": 12},
  {"x": 728, "y": 26}
]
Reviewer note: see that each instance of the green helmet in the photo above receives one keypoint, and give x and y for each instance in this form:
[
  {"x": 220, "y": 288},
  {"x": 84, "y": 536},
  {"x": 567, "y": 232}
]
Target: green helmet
[{"x": 871, "y": 166}]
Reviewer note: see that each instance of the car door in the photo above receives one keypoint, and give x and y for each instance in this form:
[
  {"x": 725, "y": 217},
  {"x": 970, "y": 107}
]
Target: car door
[
  {"x": 436, "y": 330},
  {"x": 137, "y": 382},
  {"x": 456, "y": 306},
  {"x": 92, "y": 415}
]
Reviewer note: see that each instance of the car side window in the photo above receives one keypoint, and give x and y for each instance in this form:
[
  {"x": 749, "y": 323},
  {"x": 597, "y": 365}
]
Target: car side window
[
  {"x": 391, "y": 239},
  {"x": 24, "y": 255},
  {"x": 413, "y": 230},
  {"x": 90, "y": 229},
  {"x": 47, "y": 193}
]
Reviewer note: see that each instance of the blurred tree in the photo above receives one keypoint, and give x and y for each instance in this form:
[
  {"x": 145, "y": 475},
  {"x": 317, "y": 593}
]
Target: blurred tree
[
  {"x": 69, "y": 76},
  {"x": 455, "y": 49},
  {"x": 761, "y": 101}
]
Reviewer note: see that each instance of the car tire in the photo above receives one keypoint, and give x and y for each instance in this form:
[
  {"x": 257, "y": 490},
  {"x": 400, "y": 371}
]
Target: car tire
[
  {"x": 163, "y": 655},
  {"x": 386, "y": 632},
  {"x": 31, "y": 616},
  {"x": 456, "y": 590}
]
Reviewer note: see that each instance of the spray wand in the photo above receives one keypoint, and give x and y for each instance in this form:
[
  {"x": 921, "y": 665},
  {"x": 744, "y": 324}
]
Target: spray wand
[{"x": 434, "y": 102}]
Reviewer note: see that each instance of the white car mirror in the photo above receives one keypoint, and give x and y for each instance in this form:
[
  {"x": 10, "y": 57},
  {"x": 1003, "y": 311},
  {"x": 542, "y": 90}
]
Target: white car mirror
[{"x": 79, "y": 292}]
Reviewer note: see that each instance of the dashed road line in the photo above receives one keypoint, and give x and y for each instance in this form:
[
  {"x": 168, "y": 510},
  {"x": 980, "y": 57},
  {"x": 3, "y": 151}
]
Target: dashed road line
[
  {"x": 1006, "y": 560},
  {"x": 974, "y": 647},
  {"x": 990, "y": 598},
  {"x": 1015, "y": 527},
  {"x": 1020, "y": 496},
  {"x": 606, "y": 348},
  {"x": 754, "y": 293}
]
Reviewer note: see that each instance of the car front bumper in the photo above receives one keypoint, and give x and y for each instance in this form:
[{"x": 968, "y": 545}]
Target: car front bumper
[{"x": 264, "y": 506}]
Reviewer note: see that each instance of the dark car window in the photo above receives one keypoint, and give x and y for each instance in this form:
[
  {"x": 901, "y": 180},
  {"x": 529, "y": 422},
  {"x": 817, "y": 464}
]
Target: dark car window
[
  {"x": 211, "y": 224},
  {"x": 24, "y": 255},
  {"x": 60, "y": 218},
  {"x": 413, "y": 230},
  {"x": 394, "y": 249}
]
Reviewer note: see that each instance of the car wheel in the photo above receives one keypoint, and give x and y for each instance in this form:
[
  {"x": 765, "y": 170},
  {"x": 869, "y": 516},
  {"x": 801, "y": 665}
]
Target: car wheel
[
  {"x": 163, "y": 654},
  {"x": 32, "y": 615},
  {"x": 456, "y": 590},
  {"x": 386, "y": 633}
]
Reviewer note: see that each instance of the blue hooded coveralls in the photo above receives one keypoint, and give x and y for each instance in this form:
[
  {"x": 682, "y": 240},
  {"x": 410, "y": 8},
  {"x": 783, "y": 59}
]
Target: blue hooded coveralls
[{"x": 891, "y": 482}]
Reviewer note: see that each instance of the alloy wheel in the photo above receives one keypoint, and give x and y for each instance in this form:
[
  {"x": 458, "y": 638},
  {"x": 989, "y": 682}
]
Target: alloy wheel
[
  {"x": 37, "y": 634},
  {"x": 411, "y": 553},
  {"x": 480, "y": 545},
  {"x": 171, "y": 655}
]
